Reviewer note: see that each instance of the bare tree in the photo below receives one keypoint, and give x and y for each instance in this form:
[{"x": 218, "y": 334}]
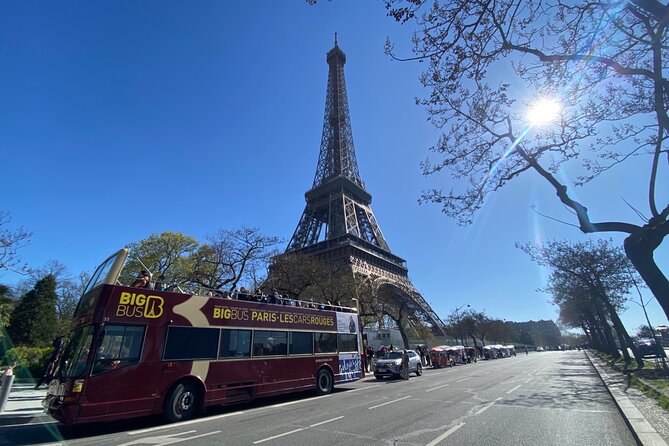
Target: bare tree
[
  {"x": 232, "y": 257},
  {"x": 603, "y": 61},
  {"x": 11, "y": 240}
]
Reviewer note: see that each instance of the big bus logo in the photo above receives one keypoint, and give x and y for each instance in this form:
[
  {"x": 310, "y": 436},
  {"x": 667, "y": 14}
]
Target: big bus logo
[{"x": 139, "y": 305}]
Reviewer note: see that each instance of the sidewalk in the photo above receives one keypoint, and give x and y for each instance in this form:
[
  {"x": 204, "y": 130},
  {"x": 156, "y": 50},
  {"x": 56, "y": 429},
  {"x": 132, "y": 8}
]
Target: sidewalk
[
  {"x": 646, "y": 419},
  {"x": 24, "y": 405}
]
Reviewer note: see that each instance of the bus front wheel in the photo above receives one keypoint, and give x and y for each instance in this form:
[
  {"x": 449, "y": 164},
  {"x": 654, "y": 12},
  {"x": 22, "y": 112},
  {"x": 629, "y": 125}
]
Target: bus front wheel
[
  {"x": 324, "y": 382},
  {"x": 181, "y": 403}
]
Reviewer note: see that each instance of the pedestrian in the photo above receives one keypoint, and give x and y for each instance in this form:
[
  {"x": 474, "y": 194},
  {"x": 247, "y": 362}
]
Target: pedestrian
[
  {"x": 370, "y": 358},
  {"x": 160, "y": 285},
  {"x": 405, "y": 365},
  {"x": 50, "y": 368}
]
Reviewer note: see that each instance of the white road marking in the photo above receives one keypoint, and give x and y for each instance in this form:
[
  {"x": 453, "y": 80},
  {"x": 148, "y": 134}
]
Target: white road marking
[
  {"x": 296, "y": 430},
  {"x": 279, "y": 436},
  {"x": 445, "y": 434},
  {"x": 464, "y": 379},
  {"x": 185, "y": 423},
  {"x": 168, "y": 439},
  {"x": 326, "y": 421},
  {"x": 362, "y": 388},
  {"x": 509, "y": 391},
  {"x": 529, "y": 379},
  {"x": 438, "y": 387},
  {"x": 389, "y": 402},
  {"x": 486, "y": 407},
  {"x": 290, "y": 403}
]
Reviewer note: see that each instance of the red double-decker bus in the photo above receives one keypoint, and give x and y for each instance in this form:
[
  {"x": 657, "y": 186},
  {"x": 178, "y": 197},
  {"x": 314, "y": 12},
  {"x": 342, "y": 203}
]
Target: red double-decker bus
[{"x": 137, "y": 351}]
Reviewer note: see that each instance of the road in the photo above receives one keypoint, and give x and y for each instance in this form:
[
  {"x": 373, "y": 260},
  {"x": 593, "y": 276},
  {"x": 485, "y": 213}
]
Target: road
[{"x": 551, "y": 398}]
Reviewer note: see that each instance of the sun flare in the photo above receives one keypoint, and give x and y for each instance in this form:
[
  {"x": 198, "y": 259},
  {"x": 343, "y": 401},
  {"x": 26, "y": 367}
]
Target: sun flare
[{"x": 544, "y": 111}]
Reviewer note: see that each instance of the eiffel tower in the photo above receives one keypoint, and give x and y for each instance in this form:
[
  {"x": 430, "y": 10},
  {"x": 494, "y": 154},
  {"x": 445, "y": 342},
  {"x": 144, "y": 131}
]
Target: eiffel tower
[{"x": 339, "y": 203}]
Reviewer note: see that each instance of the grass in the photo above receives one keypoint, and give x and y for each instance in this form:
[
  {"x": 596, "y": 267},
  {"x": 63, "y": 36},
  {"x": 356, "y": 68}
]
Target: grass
[
  {"x": 648, "y": 372},
  {"x": 662, "y": 399}
]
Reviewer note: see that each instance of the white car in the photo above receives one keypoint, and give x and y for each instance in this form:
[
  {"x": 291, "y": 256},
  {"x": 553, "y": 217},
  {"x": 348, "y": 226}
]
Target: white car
[{"x": 391, "y": 364}]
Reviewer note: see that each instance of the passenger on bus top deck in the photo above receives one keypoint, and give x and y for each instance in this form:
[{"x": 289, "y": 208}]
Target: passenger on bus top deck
[
  {"x": 143, "y": 280},
  {"x": 160, "y": 283}
]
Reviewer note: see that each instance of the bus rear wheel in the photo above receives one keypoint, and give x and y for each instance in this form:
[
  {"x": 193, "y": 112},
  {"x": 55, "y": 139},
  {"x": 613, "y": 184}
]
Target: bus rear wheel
[
  {"x": 324, "y": 382},
  {"x": 182, "y": 403}
]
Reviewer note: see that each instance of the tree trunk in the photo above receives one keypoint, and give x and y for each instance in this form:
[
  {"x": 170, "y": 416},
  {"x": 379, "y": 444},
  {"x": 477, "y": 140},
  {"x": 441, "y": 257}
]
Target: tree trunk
[
  {"x": 623, "y": 346},
  {"x": 622, "y": 333},
  {"x": 611, "y": 346},
  {"x": 639, "y": 248},
  {"x": 586, "y": 332}
]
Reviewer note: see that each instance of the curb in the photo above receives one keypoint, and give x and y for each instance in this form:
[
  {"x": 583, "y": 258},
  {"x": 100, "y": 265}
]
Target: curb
[
  {"x": 22, "y": 419},
  {"x": 643, "y": 432}
]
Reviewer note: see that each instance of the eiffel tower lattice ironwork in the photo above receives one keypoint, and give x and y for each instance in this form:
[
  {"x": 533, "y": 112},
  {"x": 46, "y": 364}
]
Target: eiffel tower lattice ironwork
[{"x": 339, "y": 203}]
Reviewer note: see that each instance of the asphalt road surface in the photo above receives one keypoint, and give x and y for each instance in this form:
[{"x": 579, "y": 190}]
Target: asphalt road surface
[{"x": 550, "y": 398}]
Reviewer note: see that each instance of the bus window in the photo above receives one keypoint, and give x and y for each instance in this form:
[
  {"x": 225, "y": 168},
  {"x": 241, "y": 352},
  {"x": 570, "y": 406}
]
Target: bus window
[
  {"x": 191, "y": 343},
  {"x": 76, "y": 356},
  {"x": 325, "y": 342},
  {"x": 235, "y": 344},
  {"x": 301, "y": 343},
  {"x": 270, "y": 343},
  {"x": 348, "y": 342},
  {"x": 119, "y": 347}
]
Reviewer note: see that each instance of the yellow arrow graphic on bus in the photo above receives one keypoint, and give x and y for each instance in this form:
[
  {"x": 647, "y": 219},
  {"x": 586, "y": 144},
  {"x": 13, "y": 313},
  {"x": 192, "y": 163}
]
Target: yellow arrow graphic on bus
[{"x": 192, "y": 311}]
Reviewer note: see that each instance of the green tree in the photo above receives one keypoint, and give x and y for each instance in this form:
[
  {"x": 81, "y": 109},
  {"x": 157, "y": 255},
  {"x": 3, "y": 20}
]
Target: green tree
[
  {"x": 68, "y": 290},
  {"x": 606, "y": 62},
  {"x": 33, "y": 321},
  {"x": 7, "y": 304},
  {"x": 168, "y": 254}
]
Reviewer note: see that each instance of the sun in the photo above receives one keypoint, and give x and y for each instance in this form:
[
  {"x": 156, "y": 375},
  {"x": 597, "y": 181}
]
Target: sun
[{"x": 544, "y": 111}]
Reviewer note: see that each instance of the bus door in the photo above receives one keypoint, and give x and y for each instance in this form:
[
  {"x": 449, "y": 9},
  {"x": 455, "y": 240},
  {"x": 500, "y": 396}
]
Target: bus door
[{"x": 119, "y": 383}]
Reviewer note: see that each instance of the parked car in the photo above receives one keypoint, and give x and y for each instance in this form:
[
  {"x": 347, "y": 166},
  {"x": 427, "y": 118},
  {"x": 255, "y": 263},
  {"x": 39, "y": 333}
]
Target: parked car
[
  {"x": 649, "y": 349},
  {"x": 391, "y": 364}
]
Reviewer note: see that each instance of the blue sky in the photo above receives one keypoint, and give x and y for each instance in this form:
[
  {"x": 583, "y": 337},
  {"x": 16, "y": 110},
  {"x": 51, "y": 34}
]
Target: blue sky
[{"x": 122, "y": 119}]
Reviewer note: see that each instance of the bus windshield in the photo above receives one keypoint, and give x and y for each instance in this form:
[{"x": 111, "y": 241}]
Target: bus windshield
[
  {"x": 101, "y": 272},
  {"x": 107, "y": 272},
  {"x": 76, "y": 356}
]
